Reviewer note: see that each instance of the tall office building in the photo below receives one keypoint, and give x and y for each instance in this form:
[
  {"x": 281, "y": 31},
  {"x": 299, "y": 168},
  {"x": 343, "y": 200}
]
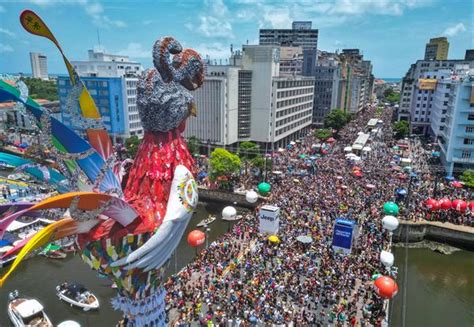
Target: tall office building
[
  {"x": 437, "y": 49},
  {"x": 111, "y": 81},
  {"x": 301, "y": 35},
  {"x": 39, "y": 65},
  {"x": 252, "y": 101}
]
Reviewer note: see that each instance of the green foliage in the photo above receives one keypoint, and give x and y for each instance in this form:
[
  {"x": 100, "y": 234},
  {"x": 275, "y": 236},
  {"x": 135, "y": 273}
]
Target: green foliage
[
  {"x": 387, "y": 92},
  {"x": 391, "y": 96},
  {"x": 467, "y": 178},
  {"x": 259, "y": 162},
  {"x": 248, "y": 150},
  {"x": 40, "y": 89},
  {"x": 131, "y": 144},
  {"x": 336, "y": 119},
  {"x": 401, "y": 129},
  {"x": 223, "y": 163},
  {"x": 323, "y": 134},
  {"x": 193, "y": 145}
]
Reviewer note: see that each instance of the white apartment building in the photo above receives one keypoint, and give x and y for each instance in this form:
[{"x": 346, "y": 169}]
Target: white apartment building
[{"x": 39, "y": 65}]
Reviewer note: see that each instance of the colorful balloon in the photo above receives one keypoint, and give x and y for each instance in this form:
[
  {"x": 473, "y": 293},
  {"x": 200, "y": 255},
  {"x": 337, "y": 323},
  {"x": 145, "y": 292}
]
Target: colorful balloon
[
  {"x": 386, "y": 287},
  {"x": 433, "y": 204},
  {"x": 459, "y": 205},
  {"x": 196, "y": 238},
  {"x": 390, "y": 208},
  {"x": 264, "y": 188},
  {"x": 445, "y": 204}
]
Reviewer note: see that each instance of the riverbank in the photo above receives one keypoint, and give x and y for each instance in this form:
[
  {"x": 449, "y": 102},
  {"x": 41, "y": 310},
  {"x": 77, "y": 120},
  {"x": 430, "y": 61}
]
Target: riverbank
[{"x": 456, "y": 235}]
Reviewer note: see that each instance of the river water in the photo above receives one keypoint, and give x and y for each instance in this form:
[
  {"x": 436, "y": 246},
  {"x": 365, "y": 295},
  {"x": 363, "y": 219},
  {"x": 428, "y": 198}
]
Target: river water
[
  {"x": 440, "y": 289},
  {"x": 38, "y": 277}
]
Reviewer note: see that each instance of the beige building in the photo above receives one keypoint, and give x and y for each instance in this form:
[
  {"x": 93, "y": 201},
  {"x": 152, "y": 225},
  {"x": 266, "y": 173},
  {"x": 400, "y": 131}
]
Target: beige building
[{"x": 437, "y": 49}]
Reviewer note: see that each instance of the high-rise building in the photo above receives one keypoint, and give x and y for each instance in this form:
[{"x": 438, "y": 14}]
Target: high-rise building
[
  {"x": 252, "y": 101},
  {"x": 39, "y": 65},
  {"x": 437, "y": 49},
  {"x": 301, "y": 35},
  {"x": 469, "y": 54},
  {"x": 291, "y": 61},
  {"x": 111, "y": 81},
  {"x": 452, "y": 125}
]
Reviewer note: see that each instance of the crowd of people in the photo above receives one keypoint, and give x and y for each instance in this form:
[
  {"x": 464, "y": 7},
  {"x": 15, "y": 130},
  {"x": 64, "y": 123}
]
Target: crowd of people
[{"x": 243, "y": 279}]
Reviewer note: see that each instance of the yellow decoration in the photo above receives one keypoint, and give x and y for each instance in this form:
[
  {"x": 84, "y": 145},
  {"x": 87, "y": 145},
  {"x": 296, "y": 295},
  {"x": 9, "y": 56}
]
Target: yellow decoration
[{"x": 274, "y": 239}]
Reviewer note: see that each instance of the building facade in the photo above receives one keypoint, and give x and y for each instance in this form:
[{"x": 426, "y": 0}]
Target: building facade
[
  {"x": 111, "y": 81},
  {"x": 437, "y": 49},
  {"x": 39, "y": 65},
  {"x": 300, "y": 35}
]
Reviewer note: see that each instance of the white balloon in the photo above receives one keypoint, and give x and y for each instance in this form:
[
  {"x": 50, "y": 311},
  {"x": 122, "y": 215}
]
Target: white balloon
[
  {"x": 229, "y": 213},
  {"x": 390, "y": 223},
  {"x": 251, "y": 196},
  {"x": 386, "y": 258}
]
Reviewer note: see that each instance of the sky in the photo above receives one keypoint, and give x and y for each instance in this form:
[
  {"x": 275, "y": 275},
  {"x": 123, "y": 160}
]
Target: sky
[{"x": 390, "y": 33}]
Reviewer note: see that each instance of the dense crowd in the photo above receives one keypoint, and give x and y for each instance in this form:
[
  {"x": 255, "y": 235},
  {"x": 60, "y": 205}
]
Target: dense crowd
[{"x": 243, "y": 279}]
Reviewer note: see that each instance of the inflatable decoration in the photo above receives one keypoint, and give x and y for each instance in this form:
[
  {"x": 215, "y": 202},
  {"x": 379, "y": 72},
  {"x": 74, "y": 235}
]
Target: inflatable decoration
[
  {"x": 387, "y": 258},
  {"x": 229, "y": 213},
  {"x": 390, "y": 208},
  {"x": 386, "y": 287},
  {"x": 196, "y": 238},
  {"x": 433, "y": 204},
  {"x": 390, "y": 223},
  {"x": 445, "y": 204},
  {"x": 471, "y": 206},
  {"x": 127, "y": 235},
  {"x": 264, "y": 188},
  {"x": 459, "y": 205},
  {"x": 251, "y": 196}
]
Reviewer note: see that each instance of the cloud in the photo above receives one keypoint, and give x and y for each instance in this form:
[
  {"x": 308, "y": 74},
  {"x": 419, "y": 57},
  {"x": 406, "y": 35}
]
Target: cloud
[
  {"x": 7, "y": 32},
  {"x": 5, "y": 48},
  {"x": 454, "y": 30},
  {"x": 2, "y": 9},
  {"x": 148, "y": 22},
  {"x": 215, "y": 50},
  {"x": 92, "y": 8},
  {"x": 135, "y": 50},
  {"x": 214, "y": 21}
]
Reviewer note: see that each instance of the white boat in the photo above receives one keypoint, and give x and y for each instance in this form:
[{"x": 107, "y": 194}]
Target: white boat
[
  {"x": 234, "y": 218},
  {"x": 26, "y": 312},
  {"x": 209, "y": 220},
  {"x": 78, "y": 295}
]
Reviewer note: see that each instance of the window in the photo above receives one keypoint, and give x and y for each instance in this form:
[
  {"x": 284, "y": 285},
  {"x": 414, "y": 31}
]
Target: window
[
  {"x": 466, "y": 154},
  {"x": 469, "y": 141},
  {"x": 469, "y": 129},
  {"x": 470, "y": 117}
]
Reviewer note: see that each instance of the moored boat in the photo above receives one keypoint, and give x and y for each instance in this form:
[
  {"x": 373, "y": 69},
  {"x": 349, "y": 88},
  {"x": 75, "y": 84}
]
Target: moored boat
[
  {"x": 77, "y": 295},
  {"x": 53, "y": 251},
  {"x": 209, "y": 220},
  {"x": 26, "y": 312}
]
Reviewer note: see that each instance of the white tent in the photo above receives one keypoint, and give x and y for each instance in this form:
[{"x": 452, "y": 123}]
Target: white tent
[
  {"x": 348, "y": 149},
  {"x": 367, "y": 149}
]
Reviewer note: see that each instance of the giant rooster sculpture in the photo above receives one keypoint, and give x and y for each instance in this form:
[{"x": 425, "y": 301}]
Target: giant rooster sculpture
[{"x": 126, "y": 234}]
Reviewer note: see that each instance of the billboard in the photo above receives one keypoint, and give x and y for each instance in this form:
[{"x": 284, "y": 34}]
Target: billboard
[
  {"x": 343, "y": 235},
  {"x": 269, "y": 219}
]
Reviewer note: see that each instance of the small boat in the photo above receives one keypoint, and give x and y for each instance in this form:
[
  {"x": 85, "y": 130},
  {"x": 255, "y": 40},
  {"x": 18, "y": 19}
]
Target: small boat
[
  {"x": 234, "y": 218},
  {"x": 26, "y": 312},
  {"x": 209, "y": 220},
  {"x": 78, "y": 295},
  {"x": 53, "y": 251}
]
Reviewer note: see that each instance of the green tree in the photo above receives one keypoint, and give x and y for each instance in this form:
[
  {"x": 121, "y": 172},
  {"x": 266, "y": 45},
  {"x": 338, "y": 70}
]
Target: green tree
[
  {"x": 393, "y": 98},
  {"x": 336, "y": 119},
  {"x": 41, "y": 89},
  {"x": 193, "y": 145},
  {"x": 387, "y": 92},
  {"x": 259, "y": 162},
  {"x": 131, "y": 144},
  {"x": 248, "y": 150},
  {"x": 323, "y": 134},
  {"x": 223, "y": 163},
  {"x": 467, "y": 178},
  {"x": 401, "y": 129}
]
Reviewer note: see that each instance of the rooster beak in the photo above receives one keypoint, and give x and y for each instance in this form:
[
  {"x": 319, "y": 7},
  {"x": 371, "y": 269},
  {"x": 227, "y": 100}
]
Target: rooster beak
[{"x": 192, "y": 109}]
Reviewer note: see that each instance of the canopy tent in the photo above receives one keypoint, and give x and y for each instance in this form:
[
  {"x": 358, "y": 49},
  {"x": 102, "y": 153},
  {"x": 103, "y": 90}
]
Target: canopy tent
[
  {"x": 366, "y": 149},
  {"x": 348, "y": 149}
]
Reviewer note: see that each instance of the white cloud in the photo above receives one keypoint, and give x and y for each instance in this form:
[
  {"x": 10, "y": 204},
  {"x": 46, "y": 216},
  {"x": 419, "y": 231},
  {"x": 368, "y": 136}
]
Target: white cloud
[
  {"x": 454, "y": 30},
  {"x": 277, "y": 17},
  {"x": 7, "y": 32},
  {"x": 2, "y": 9},
  {"x": 5, "y": 48},
  {"x": 214, "y": 21},
  {"x": 148, "y": 22},
  {"x": 135, "y": 50},
  {"x": 215, "y": 50}
]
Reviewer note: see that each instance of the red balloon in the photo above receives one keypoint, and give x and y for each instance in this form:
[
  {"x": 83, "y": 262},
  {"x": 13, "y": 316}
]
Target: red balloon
[
  {"x": 196, "y": 238},
  {"x": 432, "y": 204},
  {"x": 386, "y": 287},
  {"x": 445, "y": 204},
  {"x": 459, "y": 205}
]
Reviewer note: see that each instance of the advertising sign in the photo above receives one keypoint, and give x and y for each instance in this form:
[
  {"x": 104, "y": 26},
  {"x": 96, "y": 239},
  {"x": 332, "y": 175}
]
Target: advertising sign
[
  {"x": 343, "y": 235},
  {"x": 269, "y": 219}
]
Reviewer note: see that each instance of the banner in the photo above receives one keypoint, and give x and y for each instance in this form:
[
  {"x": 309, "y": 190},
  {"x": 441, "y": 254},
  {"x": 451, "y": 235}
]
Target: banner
[
  {"x": 343, "y": 235},
  {"x": 269, "y": 219}
]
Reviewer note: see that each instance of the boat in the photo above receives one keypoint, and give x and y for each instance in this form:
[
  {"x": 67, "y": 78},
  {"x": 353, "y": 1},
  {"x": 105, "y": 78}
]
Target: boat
[
  {"x": 53, "y": 251},
  {"x": 26, "y": 312},
  {"x": 209, "y": 220},
  {"x": 77, "y": 295},
  {"x": 234, "y": 218}
]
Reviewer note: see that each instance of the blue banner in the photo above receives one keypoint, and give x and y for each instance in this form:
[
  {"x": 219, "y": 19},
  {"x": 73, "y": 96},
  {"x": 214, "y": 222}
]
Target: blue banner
[{"x": 343, "y": 235}]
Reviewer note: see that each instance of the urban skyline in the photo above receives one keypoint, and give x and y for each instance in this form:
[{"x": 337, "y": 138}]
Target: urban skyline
[{"x": 379, "y": 28}]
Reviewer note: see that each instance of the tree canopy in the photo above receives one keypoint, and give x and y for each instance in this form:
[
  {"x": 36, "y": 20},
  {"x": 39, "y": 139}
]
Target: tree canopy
[
  {"x": 391, "y": 96},
  {"x": 336, "y": 119},
  {"x": 401, "y": 129},
  {"x": 131, "y": 144},
  {"x": 41, "y": 89},
  {"x": 248, "y": 150},
  {"x": 193, "y": 145},
  {"x": 323, "y": 134},
  {"x": 467, "y": 178},
  {"x": 223, "y": 163}
]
